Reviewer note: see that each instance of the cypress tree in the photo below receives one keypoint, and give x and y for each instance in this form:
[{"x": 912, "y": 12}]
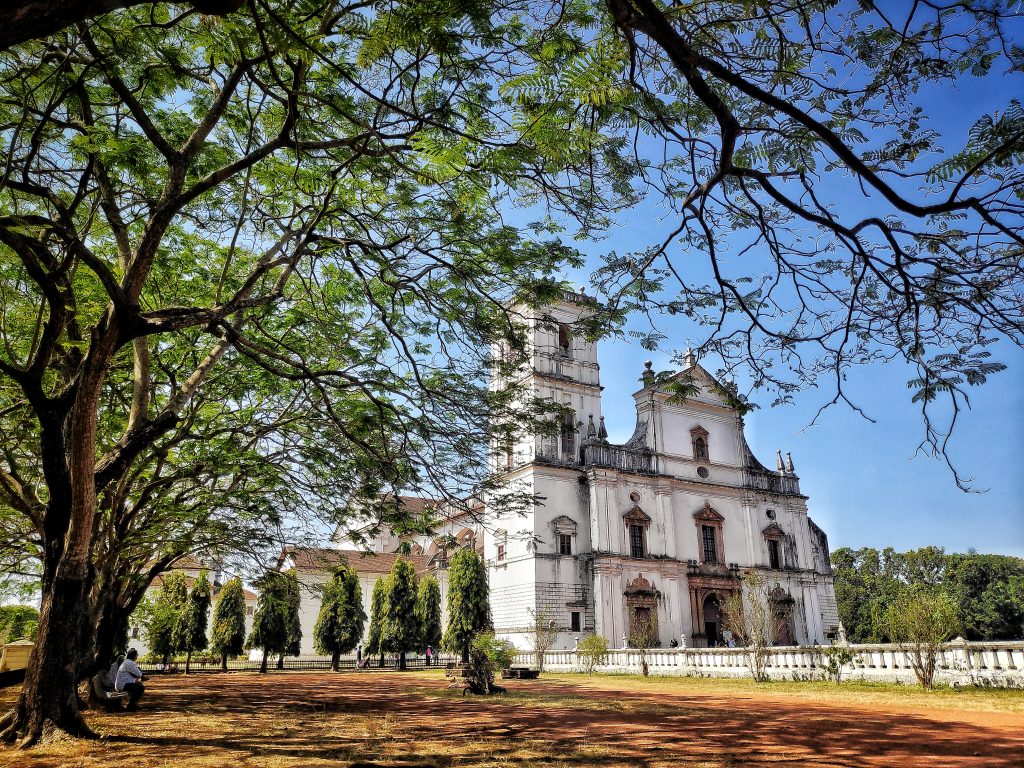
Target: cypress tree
[
  {"x": 428, "y": 613},
  {"x": 469, "y": 609},
  {"x": 275, "y": 625},
  {"x": 190, "y": 629},
  {"x": 399, "y": 629},
  {"x": 164, "y": 614},
  {"x": 340, "y": 623},
  {"x": 228, "y": 635},
  {"x": 377, "y": 600}
]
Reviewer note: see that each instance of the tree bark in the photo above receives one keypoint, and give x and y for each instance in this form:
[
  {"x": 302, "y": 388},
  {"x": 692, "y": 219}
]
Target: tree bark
[
  {"x": 224, "y": 661},
  {"x": 48, "y": 704},
  {"x": 335, "y": 659},
  {"x": 188, "y": 661},
  {"x": 22, "y": 20},
  {"x": 280, "y": 661},
  {"x": 401, "y": 660},
  {"x": 263, "y": 663}
]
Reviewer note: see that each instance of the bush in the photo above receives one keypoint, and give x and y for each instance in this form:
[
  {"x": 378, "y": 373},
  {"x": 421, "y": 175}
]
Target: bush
[
  {"x": 835, "y": 658},
  {"x": 593, "y": 651},
  {"x": 488, "y": 655}
]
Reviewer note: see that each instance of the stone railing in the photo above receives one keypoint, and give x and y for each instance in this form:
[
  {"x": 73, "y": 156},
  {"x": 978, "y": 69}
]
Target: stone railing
[
  {"x": 997, "y": 664},
  {"x": 618, "y": 457},
  {"x": 769, "y": 482}
]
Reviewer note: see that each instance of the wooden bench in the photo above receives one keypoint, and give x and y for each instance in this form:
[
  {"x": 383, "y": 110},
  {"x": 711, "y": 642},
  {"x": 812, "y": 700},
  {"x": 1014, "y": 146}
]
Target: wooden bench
[
  {"x": 100, "y": 695},
  {"x": 520, "y": 673}
]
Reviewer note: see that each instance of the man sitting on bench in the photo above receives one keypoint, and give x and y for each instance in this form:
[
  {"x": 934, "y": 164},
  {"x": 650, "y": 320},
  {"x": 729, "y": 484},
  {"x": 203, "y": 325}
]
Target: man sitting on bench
[{"x": 129, "y": 679}]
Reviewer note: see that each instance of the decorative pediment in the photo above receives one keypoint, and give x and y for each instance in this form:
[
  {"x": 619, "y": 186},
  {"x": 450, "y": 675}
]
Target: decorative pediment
[
  {"x": 773, "y": 531},
  {"x": 636, "y": 516},
  {"x": 563, "y": 524},
  {"x": 779, "y": 595},
  {"x": 707, "y": 515},
  {"x": 699, "y": 431},
  {"x": 640, "y": 586}
]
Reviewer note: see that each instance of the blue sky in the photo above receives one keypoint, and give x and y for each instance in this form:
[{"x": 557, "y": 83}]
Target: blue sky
[{"x": 866, "y": 485}]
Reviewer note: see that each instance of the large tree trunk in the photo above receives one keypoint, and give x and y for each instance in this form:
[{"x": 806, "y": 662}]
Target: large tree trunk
[
  {"x": 188, "y": 661},
  {"x": 280, "y": 661},
  {"x": 335, "y": 659},
  {"x": 401, "y": 660},
  {"x": 48, "y": 704},
  {"x": 224, "y": 661},
  {"x": 110, "y": 632},
  {"x": 263, "y": 664}
]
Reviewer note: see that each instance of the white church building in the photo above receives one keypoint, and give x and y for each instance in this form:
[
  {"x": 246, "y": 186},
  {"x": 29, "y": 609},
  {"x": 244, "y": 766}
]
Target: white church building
[{"x": 659, "y": 530}]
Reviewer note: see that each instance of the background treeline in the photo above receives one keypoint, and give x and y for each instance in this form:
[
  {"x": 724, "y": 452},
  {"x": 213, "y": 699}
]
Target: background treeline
[
  {"x": 18, "y": 622},
  {"x": 988, "y": 590}
]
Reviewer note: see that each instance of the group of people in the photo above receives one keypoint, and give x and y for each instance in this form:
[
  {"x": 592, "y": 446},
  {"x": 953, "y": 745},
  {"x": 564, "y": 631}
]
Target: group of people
[{"x": 125, "y": 676}]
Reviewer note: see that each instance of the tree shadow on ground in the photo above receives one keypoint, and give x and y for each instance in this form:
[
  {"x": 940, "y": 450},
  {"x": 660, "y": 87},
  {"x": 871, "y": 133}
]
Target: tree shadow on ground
[{"x": 382, "y": 719}]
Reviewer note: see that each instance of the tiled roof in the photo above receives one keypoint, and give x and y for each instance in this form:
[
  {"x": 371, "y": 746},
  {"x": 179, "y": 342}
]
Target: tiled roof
[{"x": 319, "y": 558}]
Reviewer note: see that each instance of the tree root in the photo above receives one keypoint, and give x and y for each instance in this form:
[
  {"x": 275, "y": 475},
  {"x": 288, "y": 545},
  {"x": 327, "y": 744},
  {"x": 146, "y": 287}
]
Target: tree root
[{"x": 14, "y": 728}]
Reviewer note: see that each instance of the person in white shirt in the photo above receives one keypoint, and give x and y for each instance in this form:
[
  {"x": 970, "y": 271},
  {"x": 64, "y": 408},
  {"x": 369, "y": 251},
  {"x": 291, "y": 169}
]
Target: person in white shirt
[
  {"x": 112, "y": 672},
  {"x": 129, "y": 679}
]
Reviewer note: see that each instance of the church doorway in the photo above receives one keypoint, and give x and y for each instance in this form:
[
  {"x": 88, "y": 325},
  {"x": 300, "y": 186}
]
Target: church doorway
[{"x": 712, "y": 620}]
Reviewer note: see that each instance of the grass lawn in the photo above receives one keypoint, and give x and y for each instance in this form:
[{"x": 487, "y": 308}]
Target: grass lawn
[{"x": 316, "y": 720}]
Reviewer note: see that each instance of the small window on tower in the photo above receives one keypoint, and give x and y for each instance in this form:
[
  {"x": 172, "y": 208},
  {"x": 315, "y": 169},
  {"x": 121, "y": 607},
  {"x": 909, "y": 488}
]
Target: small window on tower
[
  {"x": 636, "y": 541},
  {"x": 564, "y": 339},
  {"x": 501, "y": 553},
  {"x": 710, "y": 544},
  {"x": 774, "y": 561},
  {"x": 564, "y": 544},
  {"x": 575, "y": 617}
]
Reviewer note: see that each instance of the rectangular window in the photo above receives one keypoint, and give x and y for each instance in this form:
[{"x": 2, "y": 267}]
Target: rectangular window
[
  {"x": 710, "y": 544},
  {"x": 575, "y": 621},
  {"x": 636, "y": 541},
  {"x": 501, "y": 552},
  {"x": 774, "y": 561},
  {"x": 565, "y": 544}
]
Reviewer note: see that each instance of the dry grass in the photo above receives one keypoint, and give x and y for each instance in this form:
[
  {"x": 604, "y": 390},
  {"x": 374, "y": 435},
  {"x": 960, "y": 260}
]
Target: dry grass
[{"x": 314, "y": 720}]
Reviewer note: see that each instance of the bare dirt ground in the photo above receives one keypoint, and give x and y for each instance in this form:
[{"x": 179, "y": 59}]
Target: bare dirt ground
[{"x": 315, "y": 720}]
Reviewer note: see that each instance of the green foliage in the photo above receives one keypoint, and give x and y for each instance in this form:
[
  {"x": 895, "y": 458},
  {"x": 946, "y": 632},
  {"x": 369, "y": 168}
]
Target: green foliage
[
  {"x": 499, "y": 653},
  {"x": 227, "y": 636},
  {"x": 190, "y": 630},
  {"x": 400, "y": 629},
  {"x": 378, "y": 600},
  {"x": 18, "y": 622},
  {"x": 469, "y": 610},
  {"x": 593, "y": 651},
  {"x": 834, "y": 659},
  {"x": 275, "y": 626},
  {"x": 428, "y": 613},
  {"x": 869, "y": 581},
  {"x": 339, "y": 625},
  {"x": 919, "y": 620},
  {"x": 164, "y": 614}
]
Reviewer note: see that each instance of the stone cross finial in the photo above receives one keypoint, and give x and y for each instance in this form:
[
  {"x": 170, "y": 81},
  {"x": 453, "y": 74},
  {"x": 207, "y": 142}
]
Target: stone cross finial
[{"x": 688, "y": 361}]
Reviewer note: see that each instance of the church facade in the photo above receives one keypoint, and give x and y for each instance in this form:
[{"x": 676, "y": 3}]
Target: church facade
[{"x": 656, "y": 532}]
